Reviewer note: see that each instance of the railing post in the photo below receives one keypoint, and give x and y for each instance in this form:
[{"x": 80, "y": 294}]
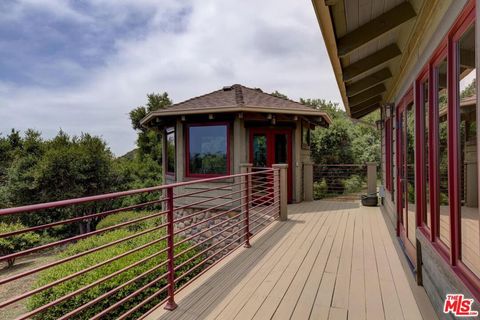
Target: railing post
[
  {"x": 246, "y": 198},
  {"x": 281, "y": 186},
  {"x": 371, "y": 177},
  {"x": 171, "y": 305},
  {"x": 308, "y": 181}
]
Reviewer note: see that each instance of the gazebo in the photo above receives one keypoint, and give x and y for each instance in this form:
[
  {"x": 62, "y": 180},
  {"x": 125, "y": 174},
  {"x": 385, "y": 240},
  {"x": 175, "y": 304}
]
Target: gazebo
[{"x": 214, "y": 134}]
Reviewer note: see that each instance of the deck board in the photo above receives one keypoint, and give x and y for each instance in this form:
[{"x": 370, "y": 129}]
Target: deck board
[{"x": 331, "y": 260}]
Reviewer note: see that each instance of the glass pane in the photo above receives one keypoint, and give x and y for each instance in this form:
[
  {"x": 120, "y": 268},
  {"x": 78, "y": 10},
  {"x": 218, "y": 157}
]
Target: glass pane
[
  {"x": 441, "y": 85},
  {"x": 394, "y": 158},
  {"x": 170, "y": 151},
  {"x": 410, "y": 167},
  {"x": 259, "y": 150},
  {"x": 281, "y": 148},
  {"x": 402, "y": 173},
  {"x": 208, "y": 149},
  {"x": 470, "y": 247},
  {"x": 426, "y": 166}
]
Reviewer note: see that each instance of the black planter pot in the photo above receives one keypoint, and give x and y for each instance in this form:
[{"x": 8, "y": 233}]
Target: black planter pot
[{"x": 370, "y": 200}]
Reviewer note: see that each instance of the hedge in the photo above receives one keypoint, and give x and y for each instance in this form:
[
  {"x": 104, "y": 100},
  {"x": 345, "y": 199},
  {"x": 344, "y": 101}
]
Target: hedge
[
  {"x": 9, "y": 245},
  {"x": 320, "y": 189},
  {"x": 76, "y": 265}
]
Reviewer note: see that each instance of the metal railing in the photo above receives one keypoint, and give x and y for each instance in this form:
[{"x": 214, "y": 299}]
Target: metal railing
[
  {"x": 173, "y": 234},
  {"x": 339, "y": 180}
]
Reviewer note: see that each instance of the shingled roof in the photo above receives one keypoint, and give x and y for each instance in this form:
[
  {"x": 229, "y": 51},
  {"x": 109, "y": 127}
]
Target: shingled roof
[{"x": 237, "y": 98}]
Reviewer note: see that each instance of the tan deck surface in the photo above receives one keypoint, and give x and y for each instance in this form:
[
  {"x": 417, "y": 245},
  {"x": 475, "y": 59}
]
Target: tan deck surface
[{"x": 331, "y": 260}]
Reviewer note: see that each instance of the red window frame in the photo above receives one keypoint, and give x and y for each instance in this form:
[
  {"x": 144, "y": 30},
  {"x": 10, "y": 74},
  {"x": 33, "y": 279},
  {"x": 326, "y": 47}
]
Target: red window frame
[
  {"x": 466, "y": 20},
  {"x": 447, "y": 48},
  {"x": 420, "y": 178},
  {"x": 187, "y": 150},
  {"x": 388, "y": 153},
  {"x": 169, "y": 173}
]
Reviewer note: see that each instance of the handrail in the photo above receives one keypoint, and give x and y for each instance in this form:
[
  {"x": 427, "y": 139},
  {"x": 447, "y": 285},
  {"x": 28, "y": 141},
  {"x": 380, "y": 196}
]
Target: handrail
[
  {"x": 184, "y": 239},
  {"x": 108, "y": 196}
]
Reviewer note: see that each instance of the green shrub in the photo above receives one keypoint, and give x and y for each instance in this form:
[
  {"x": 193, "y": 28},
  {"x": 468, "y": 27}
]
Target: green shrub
[
  {"x": 353, "y": 184},
  {"x": 9, "y": 245},
  {"x": 117, "y": 218},
  {"x": 82, "y": 263},
  {"x": 444, "y": 198},
  {"x": 320, "y": 189}
]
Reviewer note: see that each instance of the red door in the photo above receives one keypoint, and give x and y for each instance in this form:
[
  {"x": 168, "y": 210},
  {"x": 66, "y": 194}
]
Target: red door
[
  {"x": 406, "y": 211},
  {"x": 272, "y": 146}
]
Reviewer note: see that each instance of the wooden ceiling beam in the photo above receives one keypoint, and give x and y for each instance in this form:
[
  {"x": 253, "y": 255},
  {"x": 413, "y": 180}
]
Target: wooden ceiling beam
[
  {"x": 375, "y": 28},
  {"x": 368, "y": 82},
  {"x": 330, "y": 2},
  {"x": 361, "y": 66},
  {"x": 366, "y": 95},
  {"x": 363, "y": 113},
  {"x": 367, "y": 103}
]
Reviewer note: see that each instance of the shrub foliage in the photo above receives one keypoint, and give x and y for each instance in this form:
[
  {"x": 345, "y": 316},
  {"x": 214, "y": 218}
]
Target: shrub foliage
[
  {"x": 151, "y": 270},
  {"x": 9, "y": 245}
]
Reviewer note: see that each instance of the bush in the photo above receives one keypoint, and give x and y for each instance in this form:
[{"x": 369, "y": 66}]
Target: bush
[
  {"x": 82, "y": 263},
  {"x": 353, "y": 184},
  {"x": 9, "y": 245},
  {"x": 320, "y": 189},
  {"x": 117, "y": 218}
]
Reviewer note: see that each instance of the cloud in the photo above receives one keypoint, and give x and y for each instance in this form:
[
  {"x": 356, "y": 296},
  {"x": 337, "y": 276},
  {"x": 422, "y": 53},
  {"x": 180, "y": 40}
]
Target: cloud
[{"x": 101, "y": 58}]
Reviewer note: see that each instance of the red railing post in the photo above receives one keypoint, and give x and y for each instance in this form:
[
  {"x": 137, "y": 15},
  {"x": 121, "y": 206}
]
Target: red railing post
[
  {"x": 247, "y": 180},
  {"x": 171, "y": 305},
  {"x": 247, "y": 211}
]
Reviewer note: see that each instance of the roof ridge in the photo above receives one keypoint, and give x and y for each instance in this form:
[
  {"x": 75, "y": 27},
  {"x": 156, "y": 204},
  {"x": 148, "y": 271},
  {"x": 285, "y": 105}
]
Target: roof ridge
[
  {"x": 238, "y": 94},
  {"x": 286, "y": 99},
  {"x": 193, "y": 98}
]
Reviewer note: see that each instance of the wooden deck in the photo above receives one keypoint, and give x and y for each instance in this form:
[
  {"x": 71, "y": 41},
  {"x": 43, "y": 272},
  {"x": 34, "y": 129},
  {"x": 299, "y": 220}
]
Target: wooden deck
[{"x": 331, "y": 260}]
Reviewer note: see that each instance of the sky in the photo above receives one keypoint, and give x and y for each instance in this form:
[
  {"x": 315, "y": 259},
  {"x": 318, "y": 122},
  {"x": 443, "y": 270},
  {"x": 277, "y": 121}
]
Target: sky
[{"x": 82, "y": 65}]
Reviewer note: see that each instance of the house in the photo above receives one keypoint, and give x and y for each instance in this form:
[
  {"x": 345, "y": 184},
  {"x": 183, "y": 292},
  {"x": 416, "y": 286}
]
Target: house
[
  {"x": 416, "y": 61},
  {"x": 213, "y": 134}
]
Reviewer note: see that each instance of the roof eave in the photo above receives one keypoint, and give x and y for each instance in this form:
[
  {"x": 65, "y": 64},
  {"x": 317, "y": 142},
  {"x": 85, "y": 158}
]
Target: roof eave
[
  {"x": 326, "y": 27},
  {"x": 167, "y": 113}
]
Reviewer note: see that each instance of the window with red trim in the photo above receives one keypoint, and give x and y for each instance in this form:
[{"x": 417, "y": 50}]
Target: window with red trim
[
  {"x": 208, "y": 150},
  {"x": 388, "y": 154},
  {"x": 425, "y": 118},
  {"x": 450, "y": 160},
  {"x": 170, "y": 150},
  {"x": 468, "y": 153}
]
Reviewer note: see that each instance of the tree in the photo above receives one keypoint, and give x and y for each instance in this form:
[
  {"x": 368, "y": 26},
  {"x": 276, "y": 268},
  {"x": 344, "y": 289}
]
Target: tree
[
  {"x": 346, "y": 140},
  {"x": 279, "y": 94},
  {"x": 61, "y": 168},
  {"x": 469, "y": 90},
  {"x": 148, "y": 141},
  {"x": 331, "y": 108}
]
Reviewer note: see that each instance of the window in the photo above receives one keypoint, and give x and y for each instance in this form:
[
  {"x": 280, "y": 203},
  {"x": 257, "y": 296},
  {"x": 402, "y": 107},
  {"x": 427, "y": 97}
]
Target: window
[
  {"x": 410, "y": 171},
  {"x": 170, "y": 150},
  {"x": 468, "y": 174},
  {"x": 393, "y": 157},
  {"x": 388, "y": 154},
  {"x": 450, "y": 170},
  {"x": 443, "y": 214},
  {"x": 425, "y": 111},
  {"x": 207, "y": 150}
]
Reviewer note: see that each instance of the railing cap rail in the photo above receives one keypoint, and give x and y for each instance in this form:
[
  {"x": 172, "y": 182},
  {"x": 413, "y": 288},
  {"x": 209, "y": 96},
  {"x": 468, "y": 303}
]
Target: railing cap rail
[{"x": 107, "y": 196}]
